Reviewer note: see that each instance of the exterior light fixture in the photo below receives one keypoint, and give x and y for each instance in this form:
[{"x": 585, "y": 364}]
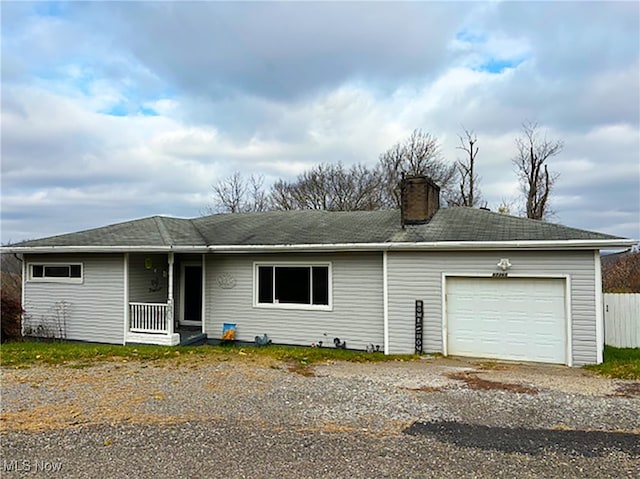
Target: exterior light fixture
[{"x": 504, "y": 264}]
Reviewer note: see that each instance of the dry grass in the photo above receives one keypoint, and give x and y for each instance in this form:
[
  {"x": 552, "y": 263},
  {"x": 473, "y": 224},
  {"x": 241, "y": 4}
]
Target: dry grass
[
  {"x": 474, "y": 382},
  {"x": 125, "y": 394},
  {"x": 627, "y": 390},
  {"x": 301, "y": 369},
  {"x": 74, "y": 384},
  {"x": 95, "y": 399}
]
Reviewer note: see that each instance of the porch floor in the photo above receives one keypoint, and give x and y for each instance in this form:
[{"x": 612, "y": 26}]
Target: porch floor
[{"x": 191, "y": 335}]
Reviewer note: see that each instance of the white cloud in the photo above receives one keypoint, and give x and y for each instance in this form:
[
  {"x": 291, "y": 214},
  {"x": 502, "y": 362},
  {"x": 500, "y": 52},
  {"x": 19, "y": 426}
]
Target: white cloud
[{"x": 113, "y": 111}]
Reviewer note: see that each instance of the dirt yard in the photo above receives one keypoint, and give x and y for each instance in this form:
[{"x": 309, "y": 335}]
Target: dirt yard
[{"x": 393, "y": 405}]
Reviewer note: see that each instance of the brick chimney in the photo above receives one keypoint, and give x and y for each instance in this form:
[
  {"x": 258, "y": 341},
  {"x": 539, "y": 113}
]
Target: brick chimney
[{"x": 420, "y": 199}]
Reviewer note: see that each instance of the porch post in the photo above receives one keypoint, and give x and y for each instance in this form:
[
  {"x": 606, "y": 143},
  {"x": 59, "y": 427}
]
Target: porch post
[
  {"x": 170, "y": 297},
  {"x": 385, "y": 301},
  {"x": 204, "y": 292},
  {"x": 126, "y": 298}
]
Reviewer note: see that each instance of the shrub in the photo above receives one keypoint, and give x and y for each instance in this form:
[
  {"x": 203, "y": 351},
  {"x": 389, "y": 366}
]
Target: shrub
[
  {"x": 10, "y": 316},
  {"x": 622, "y": 274}
]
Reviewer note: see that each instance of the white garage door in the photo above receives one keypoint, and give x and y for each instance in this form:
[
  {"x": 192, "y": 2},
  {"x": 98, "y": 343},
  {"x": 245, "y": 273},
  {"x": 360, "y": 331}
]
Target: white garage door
[{"x": 514, "y": 318}]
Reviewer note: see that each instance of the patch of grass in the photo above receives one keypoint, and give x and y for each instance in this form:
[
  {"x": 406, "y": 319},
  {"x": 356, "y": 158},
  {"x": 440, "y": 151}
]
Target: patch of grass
[
  {"x": 619, "y": 363},
  {"x": 318, "y": 355},
  {"x": 79, "y": 355}
]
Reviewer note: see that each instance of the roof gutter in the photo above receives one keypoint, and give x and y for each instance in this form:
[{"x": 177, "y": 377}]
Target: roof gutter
[
  {"x": 435, "y": 245},
  {"x": 103, "y": 249},
  {"x": 341, "y": 247}
]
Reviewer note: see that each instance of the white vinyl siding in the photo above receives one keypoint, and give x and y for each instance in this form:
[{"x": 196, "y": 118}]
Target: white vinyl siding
[
  {"x": 419, "y": 275},
  {"x": 148, "y": 285},
  {"x": 357, "y": 311},
  {"x": 94, "y": 308}
]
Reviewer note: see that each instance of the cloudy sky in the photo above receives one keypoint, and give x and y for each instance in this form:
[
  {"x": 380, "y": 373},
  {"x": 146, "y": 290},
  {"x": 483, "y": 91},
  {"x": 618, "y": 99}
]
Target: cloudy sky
[{"x": 114, "y": 111}]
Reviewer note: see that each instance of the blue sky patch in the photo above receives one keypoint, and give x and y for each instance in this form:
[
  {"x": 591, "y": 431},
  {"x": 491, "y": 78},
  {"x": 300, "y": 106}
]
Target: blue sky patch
[
  {"x": 470, "y": 36},
  {"x": 51, "y": 9},
  {"x": 145, "y": 111},
  {"x": 117, "y": 110},
  {"x": 497, "y": 65}
]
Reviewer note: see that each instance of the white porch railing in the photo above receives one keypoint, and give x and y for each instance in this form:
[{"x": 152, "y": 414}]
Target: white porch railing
[{"x": 150, "y": 318}]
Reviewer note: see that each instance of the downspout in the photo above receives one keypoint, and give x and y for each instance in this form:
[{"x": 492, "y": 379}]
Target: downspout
[
  {"x": 22, "y": 291},
  {"x": 599, "y": 308},
  {"x": 170, "y": 308},
  {"x": 385, "y": 301},
  {"x": 126, "y": 298}
]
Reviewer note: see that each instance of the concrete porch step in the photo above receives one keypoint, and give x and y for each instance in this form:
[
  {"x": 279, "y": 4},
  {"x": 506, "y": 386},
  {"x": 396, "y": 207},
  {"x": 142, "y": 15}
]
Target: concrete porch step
[{"x": 192, "y": 338}]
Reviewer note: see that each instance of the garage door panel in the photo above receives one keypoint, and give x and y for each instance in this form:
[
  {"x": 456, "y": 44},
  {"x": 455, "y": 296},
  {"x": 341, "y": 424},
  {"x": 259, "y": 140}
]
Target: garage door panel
[{"x": 516, "y": 318}]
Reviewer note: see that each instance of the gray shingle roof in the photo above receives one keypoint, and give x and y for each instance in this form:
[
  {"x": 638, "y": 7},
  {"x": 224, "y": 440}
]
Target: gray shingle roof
[
  {"x": 317, "y": 227},
  {"x": 153, "y": 231},
  {"x": 469, "y": 224},
  {"x": 299, "y": 227}
]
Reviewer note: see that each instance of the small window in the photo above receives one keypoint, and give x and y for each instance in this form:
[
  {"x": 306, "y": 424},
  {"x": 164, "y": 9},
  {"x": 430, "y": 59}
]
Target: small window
[
  {"x": 265, "y": 284},
  {"x": 293, "y": 286},
  {"x": 320, "y": 285},
  {"x": 65, "y": 273},
  {"x": 37, "y": 271}
]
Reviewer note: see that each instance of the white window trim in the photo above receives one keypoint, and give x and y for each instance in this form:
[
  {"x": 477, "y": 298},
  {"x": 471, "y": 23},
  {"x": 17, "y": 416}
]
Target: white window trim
[
  {"x": 295, "y": 306},
  {"x": 31, "y": 279}
]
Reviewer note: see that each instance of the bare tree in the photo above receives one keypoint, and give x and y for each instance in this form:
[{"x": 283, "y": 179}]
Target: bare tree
[
  {"x": 417, "y": 155},
  {"x": 237, "y": 194},
  {"x": 330, "y": 187},
  {"x": 335, "y": 187},
  {"x": 358, "y": 188},
  {"x": 310, "y": 191},
  {"x": 468, "y": 193},
  {"x": 530, "y": 163},
  {"x": 229, "y": 194},
  {"x": 258, "y": 199}
]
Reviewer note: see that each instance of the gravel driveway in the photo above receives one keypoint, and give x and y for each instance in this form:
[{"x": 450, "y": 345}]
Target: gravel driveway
[{"x": 249, "y": 417}]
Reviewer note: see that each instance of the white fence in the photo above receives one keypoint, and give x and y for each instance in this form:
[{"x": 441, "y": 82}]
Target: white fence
[
  {"x": 622, "y": 320},
  {"x": 148, "y": 318}
]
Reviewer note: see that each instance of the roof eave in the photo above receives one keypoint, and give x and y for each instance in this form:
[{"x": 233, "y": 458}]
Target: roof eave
[
  {"x": 591, "y": 244},
  {"x": 103, "y": 249},
  {"x": 435, "y": 245}
]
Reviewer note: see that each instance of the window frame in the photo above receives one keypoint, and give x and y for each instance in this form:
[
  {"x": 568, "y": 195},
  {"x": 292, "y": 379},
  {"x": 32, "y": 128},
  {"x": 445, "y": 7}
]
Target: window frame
[
  {"x": 294, "y": 306},
  {"x": 53, "y": 279}
]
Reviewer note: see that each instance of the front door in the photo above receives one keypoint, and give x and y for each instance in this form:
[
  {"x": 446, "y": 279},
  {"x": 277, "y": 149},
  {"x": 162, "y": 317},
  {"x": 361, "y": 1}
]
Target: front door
[{"x": 191, "y": 295}]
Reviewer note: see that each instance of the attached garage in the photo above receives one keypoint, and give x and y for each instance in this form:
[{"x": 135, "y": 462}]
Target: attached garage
[{"x": 523, "y": 319}]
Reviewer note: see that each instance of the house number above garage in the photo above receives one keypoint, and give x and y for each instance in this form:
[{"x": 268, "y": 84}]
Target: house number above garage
[{"x": 226, "y": 281}]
